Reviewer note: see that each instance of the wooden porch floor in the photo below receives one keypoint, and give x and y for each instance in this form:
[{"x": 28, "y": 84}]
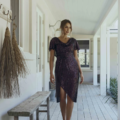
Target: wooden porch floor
[{"x": 90, "y": 106}]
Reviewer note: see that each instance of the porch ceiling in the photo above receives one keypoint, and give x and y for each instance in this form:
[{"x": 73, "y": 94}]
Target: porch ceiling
[{"x": 85, "y": 15}]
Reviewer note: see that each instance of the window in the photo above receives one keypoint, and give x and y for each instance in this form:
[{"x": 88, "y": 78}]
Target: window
[
  {"x": 83, "y": 53},
  {"x": 15, "y": 12}
]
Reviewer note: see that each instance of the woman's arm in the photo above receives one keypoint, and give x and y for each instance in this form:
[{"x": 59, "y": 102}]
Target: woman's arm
[
  {"x": 52, "y": 78},
  {"x": 81, "y": 74},
  {"x": 76, "y": 57},
  {"x": 51, "y": 60}
]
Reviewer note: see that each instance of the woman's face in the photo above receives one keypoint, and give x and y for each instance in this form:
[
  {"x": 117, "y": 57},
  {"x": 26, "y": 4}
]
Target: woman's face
[{"x": 67, "y": 28}]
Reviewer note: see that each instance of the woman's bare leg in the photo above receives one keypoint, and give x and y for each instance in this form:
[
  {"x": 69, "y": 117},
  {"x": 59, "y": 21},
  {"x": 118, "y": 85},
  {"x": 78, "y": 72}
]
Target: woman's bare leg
[
  {"x": 69, "y": 108},
  {"x": 63, "y": 102}
]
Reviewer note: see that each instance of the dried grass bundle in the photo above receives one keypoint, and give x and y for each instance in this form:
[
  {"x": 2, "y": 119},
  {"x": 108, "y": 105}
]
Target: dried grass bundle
[
  {"x": 20, "y": 61},
  {"x": 9, "y": 85}
]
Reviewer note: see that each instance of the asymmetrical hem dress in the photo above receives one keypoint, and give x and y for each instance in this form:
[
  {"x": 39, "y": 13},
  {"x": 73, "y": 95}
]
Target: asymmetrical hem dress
[{"x": 66, "y": 67}]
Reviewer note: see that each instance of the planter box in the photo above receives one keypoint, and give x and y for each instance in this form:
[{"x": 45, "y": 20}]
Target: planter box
[
  {"x": 52, "y": 85},
  {"x": 52, "y": 95},
  {"x": 98, "y": 78}
]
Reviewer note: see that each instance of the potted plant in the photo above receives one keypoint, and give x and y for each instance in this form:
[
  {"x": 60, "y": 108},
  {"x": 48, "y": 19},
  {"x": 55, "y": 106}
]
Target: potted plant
[
  {"x": 113, "y": 90},
  {"x": 52, "y": 89}
]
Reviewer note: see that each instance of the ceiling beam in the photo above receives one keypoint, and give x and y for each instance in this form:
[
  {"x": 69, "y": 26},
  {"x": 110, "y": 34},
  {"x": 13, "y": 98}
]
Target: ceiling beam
[{"x": 109, "y": 16}]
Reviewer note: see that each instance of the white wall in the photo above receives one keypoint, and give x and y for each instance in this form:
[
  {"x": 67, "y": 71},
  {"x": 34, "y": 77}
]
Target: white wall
[
  {"x": 113, "y": 57},
  {"x": 29, "y": 51},
  {"x": 30, "y": 80}
]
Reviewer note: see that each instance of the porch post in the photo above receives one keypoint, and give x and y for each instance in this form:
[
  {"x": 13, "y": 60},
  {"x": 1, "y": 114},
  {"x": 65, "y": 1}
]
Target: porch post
[
  {"x": 108, "y": 58},
  {"x": 118, "y": 60},
  {"x": 94, "y": 60},
  {"x": 103, "y": 59}
]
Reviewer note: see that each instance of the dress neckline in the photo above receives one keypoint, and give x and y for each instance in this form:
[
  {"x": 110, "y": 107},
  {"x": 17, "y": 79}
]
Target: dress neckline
[{"x": 63, "y": 42}]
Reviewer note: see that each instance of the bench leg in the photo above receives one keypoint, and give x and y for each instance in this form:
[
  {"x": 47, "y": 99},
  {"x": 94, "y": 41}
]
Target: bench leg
[
  {"x": 48, "y": 112},
  {"x": 31, "y": 117},
  {"x": 37, "y": 114},
  {"x": 15, "y": 117}
]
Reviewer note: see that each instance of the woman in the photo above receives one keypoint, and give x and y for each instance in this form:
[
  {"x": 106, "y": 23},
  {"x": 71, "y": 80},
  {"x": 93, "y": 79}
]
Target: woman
[{"x": 67, "y": 68}]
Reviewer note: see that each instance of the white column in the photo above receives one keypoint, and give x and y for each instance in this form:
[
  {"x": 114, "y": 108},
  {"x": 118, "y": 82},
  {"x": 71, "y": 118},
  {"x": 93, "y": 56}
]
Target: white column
[
  {"x": 108, "y": 59},
  {"x": 94, "y": 60},
  {"x": 103, "y": 60},
  {"x": 118, "y": 60}
]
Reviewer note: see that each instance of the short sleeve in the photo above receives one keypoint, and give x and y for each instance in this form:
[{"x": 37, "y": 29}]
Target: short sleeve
[
  {"x": 76, "y": 45},
  {"x": 52, "y": 44}
]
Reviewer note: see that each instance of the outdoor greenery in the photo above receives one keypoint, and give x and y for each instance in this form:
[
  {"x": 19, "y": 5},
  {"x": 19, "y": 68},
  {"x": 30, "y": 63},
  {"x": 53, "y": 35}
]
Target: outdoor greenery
[
  {"x": 113, "y": 90},
  {"x": 82, "y": 55}
]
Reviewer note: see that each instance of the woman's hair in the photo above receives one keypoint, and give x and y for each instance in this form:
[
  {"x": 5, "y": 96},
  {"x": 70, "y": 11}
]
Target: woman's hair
[{"x": 63, "y": 23}]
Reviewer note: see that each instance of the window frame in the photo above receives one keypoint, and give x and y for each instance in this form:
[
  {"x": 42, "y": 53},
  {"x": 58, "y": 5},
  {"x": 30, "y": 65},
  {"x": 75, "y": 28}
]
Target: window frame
[
  {"x": 86, "y": 66},
  {"x": 15, "y": 7},
  {"x": 85, "y": 49}
]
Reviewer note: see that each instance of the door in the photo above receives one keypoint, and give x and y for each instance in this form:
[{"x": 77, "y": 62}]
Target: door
[{"x": 39, "y": 47}]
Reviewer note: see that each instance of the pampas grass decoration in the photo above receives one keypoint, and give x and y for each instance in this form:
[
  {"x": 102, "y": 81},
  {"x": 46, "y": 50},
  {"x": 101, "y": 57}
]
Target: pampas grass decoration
[
  {"x": 9, "y": 85},
  {"x": 20, "y": 61}
]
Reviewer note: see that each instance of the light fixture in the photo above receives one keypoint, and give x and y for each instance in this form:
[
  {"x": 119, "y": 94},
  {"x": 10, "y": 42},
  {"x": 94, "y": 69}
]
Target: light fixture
[
  {"x": 0, "y": 6},
  {"x": 58, "y": 29},
  {"x": 54, "y": 25}
]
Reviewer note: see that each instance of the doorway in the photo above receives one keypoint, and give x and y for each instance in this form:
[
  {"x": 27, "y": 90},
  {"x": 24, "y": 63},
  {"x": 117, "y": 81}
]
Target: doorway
[{"x": 39, "y": 48}]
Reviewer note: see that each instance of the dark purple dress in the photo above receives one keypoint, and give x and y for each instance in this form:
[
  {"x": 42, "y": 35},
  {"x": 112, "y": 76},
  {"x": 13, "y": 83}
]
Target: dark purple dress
[{"x": 66, "y": 68}]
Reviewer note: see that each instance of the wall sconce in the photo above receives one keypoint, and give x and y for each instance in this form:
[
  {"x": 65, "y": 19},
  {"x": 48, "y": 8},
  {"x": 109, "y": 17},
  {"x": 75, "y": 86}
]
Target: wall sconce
[
  {"x": 0, "y": 6},
  {"x": 54, "y": 25}
]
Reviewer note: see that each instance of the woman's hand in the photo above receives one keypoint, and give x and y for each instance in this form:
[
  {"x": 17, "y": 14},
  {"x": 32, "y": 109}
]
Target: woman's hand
[
  {"x": 52, "y": 79},
  {"x": 82, "y": 78}
]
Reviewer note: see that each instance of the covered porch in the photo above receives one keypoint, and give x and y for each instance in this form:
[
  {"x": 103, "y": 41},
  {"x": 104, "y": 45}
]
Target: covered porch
[
  {"x": 90, "y": 106},
  {"x": 96, "y": 27}
]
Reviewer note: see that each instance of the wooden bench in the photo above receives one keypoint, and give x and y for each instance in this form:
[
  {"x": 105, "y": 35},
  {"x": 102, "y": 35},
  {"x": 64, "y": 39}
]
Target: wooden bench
[{"x": 27, "y": 107}]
